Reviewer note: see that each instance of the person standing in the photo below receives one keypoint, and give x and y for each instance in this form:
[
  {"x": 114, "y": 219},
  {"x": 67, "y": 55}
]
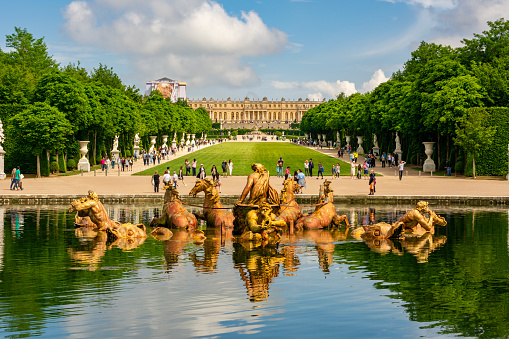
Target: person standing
[
  {"x": 338, "y": 170},
  {"x": 17, "y": 174},
  {"x": 448, "y": 167},
  {"x": 359, "y": 171},
  {"x": 401, "y": 166},
  {"x": 230, "y": 166},
  {"x": 188, "y": 167},
  {"x": 155, "y": 181},
  {"x": 382, "y": 159},
  {"x": 311, "y": 166},
  {"x": 224, "y": 166},
  {"x": 201, "y": 174},
  {"x": 352, "y": 170},
  {"x": 193, "y": 165},
  {"x": 301, "y": 180},
  {"x": 103, "y": 164},
  {"x": 320, "y": 171},
  {"x": 306, "y": 167},
  {"x": 280, "y": 164},
  {"x": 372, "y": 182},
  {"x": 287, "y": 172},
  {"x": 166, "y": 178},
  {"x": 214, "y": 172}
]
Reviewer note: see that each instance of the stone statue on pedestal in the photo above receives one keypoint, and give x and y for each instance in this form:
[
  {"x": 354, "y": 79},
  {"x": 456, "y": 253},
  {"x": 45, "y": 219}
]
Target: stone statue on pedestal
[{"x": 2, "y": 152}]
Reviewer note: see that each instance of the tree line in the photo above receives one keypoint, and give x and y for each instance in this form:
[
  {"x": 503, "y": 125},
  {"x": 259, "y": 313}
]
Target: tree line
[
  {"x": 46, "y": 108},
  {"x": 452, "y": 96}
]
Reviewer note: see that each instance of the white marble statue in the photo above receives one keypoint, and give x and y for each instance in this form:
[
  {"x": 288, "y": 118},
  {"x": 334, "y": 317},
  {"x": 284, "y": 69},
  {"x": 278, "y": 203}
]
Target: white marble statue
[
  {"x": 2, "y": 136},
  {"x": 375, "y": 141},
  {"x": 115, "y": 143},
  {"x": 136, "y": 140}
]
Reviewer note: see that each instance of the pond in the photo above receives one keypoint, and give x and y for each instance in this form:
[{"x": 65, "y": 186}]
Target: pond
[{"x": 54, "y": 284}]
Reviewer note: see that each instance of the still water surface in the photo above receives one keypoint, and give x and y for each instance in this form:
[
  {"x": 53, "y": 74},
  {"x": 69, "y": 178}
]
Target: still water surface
[{"x": 321, "y": 283}]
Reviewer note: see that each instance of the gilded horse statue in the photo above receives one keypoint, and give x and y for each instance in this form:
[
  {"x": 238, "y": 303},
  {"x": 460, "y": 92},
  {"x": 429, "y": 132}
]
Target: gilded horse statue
[
  {"x": 213, "y": 211},
  {"x": 289, "y": 209},
  {"x": 90, "y": 213},
  {"x": 175, "y": 215},
  {"x": 325, "y": 212}
]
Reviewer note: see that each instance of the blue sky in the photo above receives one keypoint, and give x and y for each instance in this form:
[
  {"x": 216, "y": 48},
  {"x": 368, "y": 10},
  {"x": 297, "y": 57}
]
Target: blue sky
[{"x": 236, "y": 48}]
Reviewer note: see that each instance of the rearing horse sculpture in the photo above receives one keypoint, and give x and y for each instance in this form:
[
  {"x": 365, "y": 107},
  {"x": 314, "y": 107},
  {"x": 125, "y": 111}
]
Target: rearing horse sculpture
[
  {"x": 290, "y": 210},
  {"x": 174, "y": 213},
  {"x": 213, "y": 211},
  {"x": 325, "y": 212}
]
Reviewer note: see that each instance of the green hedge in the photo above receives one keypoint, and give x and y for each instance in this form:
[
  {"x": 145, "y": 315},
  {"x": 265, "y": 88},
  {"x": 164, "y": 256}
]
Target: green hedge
[
  {"x": 44, "y": 165},
  {"x": 493, "y": 159}
]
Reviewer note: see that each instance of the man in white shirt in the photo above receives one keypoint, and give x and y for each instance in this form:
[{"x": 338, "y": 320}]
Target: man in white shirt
[
  {"x": 175, "y": 179},
  {"x": 166, "y": 178},
  {"x": 400, "y": 167}
]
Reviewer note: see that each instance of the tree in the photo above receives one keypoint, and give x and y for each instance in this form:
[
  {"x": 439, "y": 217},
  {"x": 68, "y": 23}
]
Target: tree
[
  {"x": 42, "y": 127},
  {"x": 473, "y": 132},
  {"x": 30, "y": 53}
]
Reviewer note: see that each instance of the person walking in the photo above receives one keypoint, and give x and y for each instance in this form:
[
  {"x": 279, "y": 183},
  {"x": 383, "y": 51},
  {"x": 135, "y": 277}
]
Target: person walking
[
  {"x": 365, "y": 169},
  {"x": 359, "y": 171},
  {"x": 103, "y": 164},
  {"x": 320, "y": 171},
  {"x": 401, "y": 166},
  {"x": 155, "y": 181},
  {"x": 181, "y": 175},
  {"x": 448, "y": 167},
  {"x": 306, "y": 167},
  {"x": 338, "y": 170},
  {"x": 175, "y": 179},
  {"x": 214, "y": 172},
  {"x": 230, "y": 166},
  {"x": 13, "y": 179},
  {"x": 382, "y": 159},
  {"x": 311, "y": 166}
]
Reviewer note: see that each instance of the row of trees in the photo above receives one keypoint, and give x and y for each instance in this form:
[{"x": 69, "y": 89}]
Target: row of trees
[
  {"x": 46, "y": 108},
  {"x": 430, "y": 99}
]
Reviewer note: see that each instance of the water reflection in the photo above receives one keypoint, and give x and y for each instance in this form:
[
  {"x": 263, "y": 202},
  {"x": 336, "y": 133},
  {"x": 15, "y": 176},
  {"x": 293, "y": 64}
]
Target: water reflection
[{"x": 454, "y": 282}]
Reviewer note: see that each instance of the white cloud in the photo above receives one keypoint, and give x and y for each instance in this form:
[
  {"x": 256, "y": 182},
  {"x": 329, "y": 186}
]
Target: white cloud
[
  {"x": 191, "y": 40},
  {"x": 324, "y": 89},
  {"x": 447, "y": 22},
  {"x": 377, "y": 78}
]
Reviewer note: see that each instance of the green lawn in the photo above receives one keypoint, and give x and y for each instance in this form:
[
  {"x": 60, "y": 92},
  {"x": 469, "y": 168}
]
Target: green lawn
[{"x": 243, "y": 154}]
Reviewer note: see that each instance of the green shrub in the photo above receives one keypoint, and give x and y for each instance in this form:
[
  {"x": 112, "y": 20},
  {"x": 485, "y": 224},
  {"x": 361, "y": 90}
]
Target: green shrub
[
  {"x": 44, "y": 165},
  {"x": 53, "y": 167},
  {"x": 61, "y": 163},
  {"x": 71, "y": 163},
  {"x": 128, "y": 153}
]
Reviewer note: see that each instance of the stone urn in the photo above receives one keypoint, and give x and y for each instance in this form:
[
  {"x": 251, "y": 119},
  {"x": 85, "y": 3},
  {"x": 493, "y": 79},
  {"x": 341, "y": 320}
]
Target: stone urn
[
  {"x": 429, "y": 164},
  {"x": 360, "y": 150},
  {"x": 152, "y": 143},
  {"x": 193, "y": 141},
  {"x": 347, "y": 138},
  {"x": 165, "y": 140},
  {"x": 84, "y": 164}
]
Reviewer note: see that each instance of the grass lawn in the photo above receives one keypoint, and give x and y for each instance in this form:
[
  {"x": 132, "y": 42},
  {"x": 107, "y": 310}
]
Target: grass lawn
[{"x": 243, "y": 154}]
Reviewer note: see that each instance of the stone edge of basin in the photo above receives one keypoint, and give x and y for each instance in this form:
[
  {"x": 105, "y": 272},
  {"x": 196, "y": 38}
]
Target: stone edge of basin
[{"x": 228, "y": 200}]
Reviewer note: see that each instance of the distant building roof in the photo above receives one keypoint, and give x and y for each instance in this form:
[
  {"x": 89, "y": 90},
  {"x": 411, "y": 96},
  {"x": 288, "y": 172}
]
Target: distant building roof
[{"x": 166, "y": 79}]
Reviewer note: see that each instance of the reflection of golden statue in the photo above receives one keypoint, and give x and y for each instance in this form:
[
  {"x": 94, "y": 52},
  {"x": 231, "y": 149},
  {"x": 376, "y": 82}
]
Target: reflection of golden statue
[{"x": 259, "y": 188}]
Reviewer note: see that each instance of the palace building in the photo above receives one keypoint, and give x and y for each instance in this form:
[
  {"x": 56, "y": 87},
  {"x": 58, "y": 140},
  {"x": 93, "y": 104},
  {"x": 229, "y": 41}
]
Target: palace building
[{"x": 258, "y": 112}]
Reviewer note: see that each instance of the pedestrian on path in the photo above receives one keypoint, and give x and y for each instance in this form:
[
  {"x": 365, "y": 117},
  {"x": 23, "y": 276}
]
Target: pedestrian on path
[
  {"x": 306, "y": 167},
  {"x": 230, "y": 167},
  {"x": 193, "y": 165},
  {"x": 320, "y": 171},
  {"x": 353, "y": 169},
  {"x": 13, "y": 179},
  {"x": 401, "y": 166},
  {"x": 338, "y": 170},
  {"x": 372, "y": 182},
  {"x": 166, "y": 178},
  {"x": 301, "y": 180},
  {"x": 311, "y": 166},
  {"x": 181, "y": 175},
  {"x": 155, "y": 181}
]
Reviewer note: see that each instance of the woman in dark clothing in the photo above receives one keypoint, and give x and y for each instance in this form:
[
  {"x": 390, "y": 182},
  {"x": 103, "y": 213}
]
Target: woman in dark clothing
[
  {"x": 215, "y": 174},
  {"x": 155, "y": 180}
]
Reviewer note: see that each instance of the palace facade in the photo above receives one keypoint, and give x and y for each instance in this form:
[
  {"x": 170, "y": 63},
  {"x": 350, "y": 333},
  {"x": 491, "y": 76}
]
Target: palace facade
[{"x": 260, "y": 111}]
